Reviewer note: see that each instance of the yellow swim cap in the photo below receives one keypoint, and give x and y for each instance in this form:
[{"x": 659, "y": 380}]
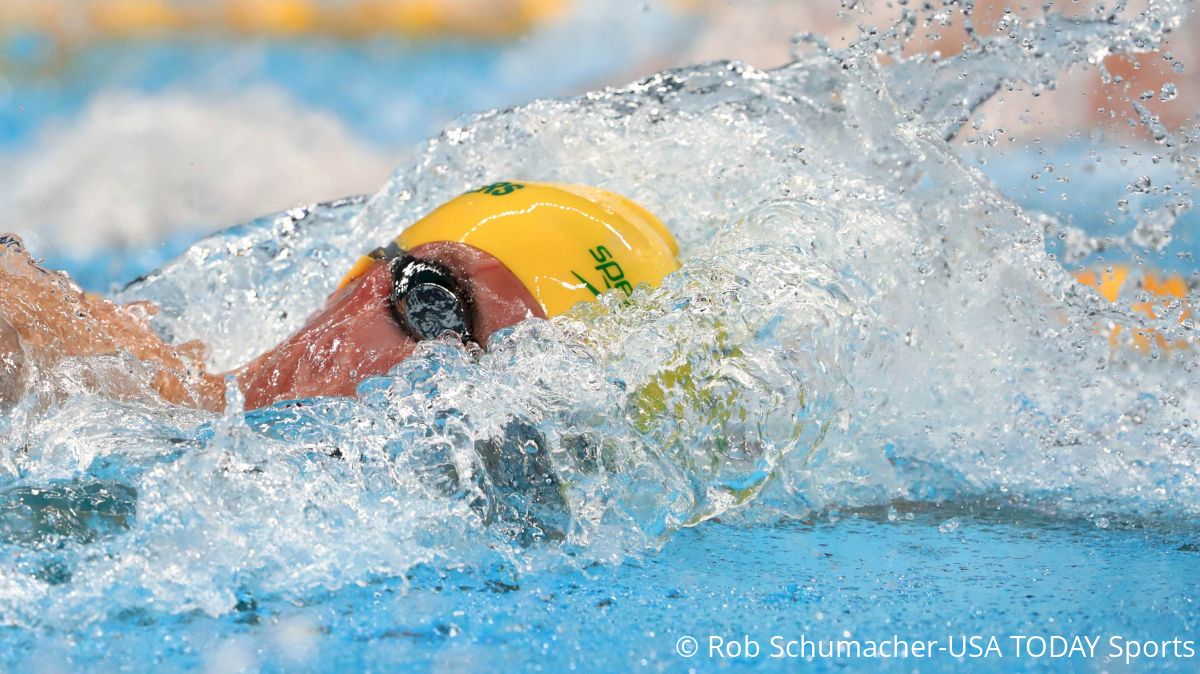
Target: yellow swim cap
[{"x": 566, "y": 243}]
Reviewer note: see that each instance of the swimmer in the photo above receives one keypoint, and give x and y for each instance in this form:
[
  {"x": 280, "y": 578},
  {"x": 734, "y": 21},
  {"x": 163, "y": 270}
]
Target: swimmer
[{"x": 483, "y": 261}]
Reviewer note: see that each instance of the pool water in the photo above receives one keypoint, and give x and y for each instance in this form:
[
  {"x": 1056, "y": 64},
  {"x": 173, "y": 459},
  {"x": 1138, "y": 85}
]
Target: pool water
[
  {"x": 909, "y": 428},
  {"x": 914, "y": 573}
]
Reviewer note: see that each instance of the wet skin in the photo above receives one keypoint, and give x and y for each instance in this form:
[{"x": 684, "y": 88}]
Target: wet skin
[
  {"x": 355, "y": 335},
  {"x": 46, "y": 319}
]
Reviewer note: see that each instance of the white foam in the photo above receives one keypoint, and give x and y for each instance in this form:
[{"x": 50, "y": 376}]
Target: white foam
[{"x": 134, "y": 168}]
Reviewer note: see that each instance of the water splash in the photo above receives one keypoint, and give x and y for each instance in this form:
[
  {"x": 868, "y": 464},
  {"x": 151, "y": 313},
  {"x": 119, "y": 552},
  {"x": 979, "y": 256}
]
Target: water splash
[{"x": 861, "y": 318}]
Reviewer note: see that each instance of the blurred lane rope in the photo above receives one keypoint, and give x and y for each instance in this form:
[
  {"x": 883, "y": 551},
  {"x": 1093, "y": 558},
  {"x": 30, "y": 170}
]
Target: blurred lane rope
[{"x": 74, "y": 23}]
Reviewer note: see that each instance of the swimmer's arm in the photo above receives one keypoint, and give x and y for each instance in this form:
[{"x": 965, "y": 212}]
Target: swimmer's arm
[{"x": 55, "y": 319}]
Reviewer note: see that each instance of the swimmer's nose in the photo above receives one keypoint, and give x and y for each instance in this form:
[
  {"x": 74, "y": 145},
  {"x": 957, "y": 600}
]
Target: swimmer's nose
[{"x": 12, "y": 366}]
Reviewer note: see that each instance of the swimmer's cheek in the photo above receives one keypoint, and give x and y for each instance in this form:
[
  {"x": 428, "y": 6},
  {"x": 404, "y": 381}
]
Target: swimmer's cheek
[{"x": 266, "y": 380}]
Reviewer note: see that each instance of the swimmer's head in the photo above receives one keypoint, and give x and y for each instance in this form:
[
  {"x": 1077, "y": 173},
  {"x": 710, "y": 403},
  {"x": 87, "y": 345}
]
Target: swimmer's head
[
  {"x": 565, "y": 243},
  {"x": 484, "y": 261}
]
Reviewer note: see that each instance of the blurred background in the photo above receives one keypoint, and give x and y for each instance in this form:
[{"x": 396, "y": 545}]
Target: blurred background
[{"x": 130, "y": 128}]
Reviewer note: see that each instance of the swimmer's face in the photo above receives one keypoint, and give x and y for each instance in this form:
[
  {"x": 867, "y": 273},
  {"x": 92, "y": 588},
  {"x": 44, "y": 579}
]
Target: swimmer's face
[{"x": 356, "y": 334}]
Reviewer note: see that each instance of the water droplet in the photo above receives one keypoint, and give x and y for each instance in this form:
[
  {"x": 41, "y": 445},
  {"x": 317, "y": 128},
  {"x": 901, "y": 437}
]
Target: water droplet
[{"x": 1140, "y": 186}]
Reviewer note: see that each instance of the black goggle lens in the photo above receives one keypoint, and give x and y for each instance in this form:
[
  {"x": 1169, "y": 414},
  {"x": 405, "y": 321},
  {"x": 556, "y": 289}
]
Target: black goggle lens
[
  {"x": 427, "y": 301},
  {"x": 432, "y": 310}
]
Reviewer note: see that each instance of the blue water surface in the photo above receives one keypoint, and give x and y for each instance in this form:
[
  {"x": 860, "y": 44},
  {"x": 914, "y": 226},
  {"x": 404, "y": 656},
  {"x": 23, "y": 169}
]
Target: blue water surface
[{"x": 928, "y": 574}]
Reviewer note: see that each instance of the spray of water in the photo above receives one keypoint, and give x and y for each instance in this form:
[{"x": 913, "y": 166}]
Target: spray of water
[{"x": 861, "y": 318}]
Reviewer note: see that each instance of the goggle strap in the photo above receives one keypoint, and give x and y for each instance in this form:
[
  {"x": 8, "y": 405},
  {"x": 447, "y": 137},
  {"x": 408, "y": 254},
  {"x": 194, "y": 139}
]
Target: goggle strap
[{"x": 388, "y": 252}]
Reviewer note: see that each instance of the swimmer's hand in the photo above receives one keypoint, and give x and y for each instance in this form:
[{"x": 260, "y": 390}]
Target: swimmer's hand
[{"x": 53, "y": 319}]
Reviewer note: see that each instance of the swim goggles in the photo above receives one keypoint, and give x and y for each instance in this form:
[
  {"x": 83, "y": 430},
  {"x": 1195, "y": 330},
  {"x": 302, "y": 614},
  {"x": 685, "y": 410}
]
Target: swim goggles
[{"x": 426, "y": 301}]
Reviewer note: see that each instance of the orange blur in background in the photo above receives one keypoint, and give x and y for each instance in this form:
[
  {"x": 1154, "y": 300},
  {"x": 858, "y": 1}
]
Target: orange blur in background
[
  {"x": 1118, "y": 281},
  {"x": 82, "y": 21}
]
